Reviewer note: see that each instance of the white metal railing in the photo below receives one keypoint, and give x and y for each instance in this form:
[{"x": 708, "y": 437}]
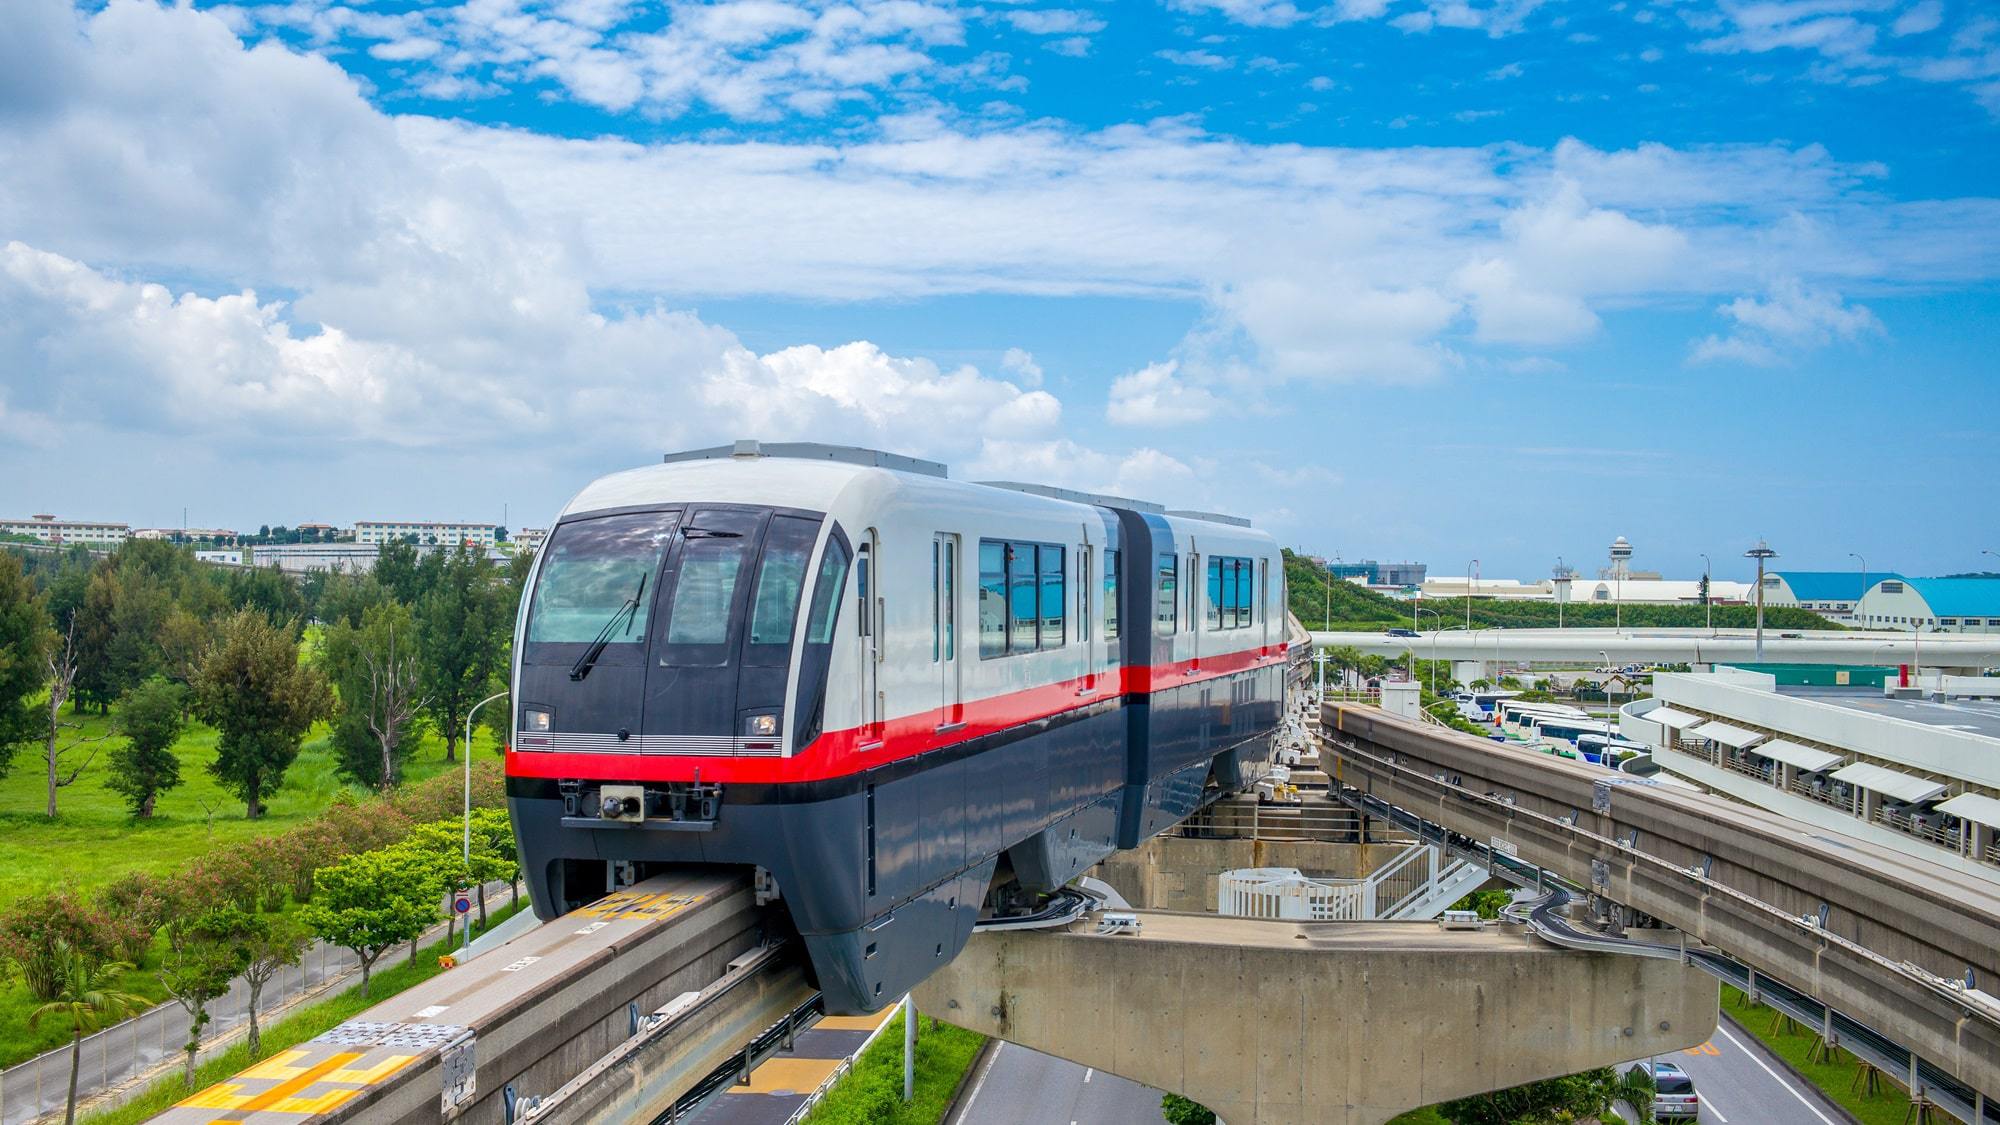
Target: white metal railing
[
  {"x": 1416, "y": 883},
  {"x": 1909, "y": 825}
]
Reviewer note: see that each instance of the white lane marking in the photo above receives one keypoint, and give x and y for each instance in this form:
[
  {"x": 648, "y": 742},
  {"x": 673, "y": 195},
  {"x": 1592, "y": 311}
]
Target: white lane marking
[
  {"x": 1088, "y": 1071},
  {"x": 1708, "y": 1107},
  {"x": 966, "y": 1110},
  {"x": 1789, "y": 1088}
]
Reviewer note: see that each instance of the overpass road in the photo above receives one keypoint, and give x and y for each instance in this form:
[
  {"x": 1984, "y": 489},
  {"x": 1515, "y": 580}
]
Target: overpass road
[
  {"x": 1690, "y": 646},
  {"x": 1881, "y": 937}
]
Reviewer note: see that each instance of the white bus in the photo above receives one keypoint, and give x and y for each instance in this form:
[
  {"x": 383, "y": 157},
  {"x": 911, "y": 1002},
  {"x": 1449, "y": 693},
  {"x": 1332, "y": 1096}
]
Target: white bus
[
  {"x": 1512, "y": 713},
  {"x": 1478, "y": 705}
]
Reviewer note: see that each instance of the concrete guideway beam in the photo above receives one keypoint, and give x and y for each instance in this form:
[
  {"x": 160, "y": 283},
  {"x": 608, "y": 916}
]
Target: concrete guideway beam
[
  {"x": 1747, "y": 882},
  {"x": 1284, "y": 1023}
]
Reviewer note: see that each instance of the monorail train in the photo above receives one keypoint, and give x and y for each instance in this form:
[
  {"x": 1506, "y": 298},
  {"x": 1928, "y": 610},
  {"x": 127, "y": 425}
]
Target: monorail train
[{"x": 902, "y": 699}]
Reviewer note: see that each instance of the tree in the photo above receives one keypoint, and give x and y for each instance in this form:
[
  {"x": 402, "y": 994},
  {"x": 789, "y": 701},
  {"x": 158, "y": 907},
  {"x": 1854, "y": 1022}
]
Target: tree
[
  {"x": 85, "y": 1001},
  {"x": 1185, "y": 1111},
  {"x": 376, "y": 670},
  {"x": 460, "y": 644},
  {"x": 93, "y": 629},
  {"x": 59, "y": 659},
  {"x": 255, "y": 692},
  {"x": 205, "y": 953},
  {"x": 396, "y": 570},
  {"x": 184, "y": 643},
  {"x": 370, "y": 903},
  {"x": 35, "y": 931},
  {"x": 151, "y": 716},
  {"x": 1702, "y": 589},
  {"x": 24, "y": 636},
  {"x": 272, "y": 944}
]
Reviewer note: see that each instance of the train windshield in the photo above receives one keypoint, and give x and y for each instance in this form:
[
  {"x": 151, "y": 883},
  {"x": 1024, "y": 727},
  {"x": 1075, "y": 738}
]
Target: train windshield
[{"x": 598, "y": 579}]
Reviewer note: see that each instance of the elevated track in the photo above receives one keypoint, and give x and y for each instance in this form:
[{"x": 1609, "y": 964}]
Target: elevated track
[{"x": 1903, "y": 949}]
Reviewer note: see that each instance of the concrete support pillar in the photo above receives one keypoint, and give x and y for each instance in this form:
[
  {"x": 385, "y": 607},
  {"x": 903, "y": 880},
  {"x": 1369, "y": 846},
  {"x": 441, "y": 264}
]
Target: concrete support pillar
[
  {"x": 1786, "y": 772},
  {"x": 1466, "y": 671},
  {"x": 1870, "y": 802}
]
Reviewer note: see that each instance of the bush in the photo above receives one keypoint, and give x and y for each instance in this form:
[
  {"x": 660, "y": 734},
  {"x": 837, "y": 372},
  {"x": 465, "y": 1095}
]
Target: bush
[
  {"x": 36, "y": 932},
  {"x": 1185, "y": 1111}
]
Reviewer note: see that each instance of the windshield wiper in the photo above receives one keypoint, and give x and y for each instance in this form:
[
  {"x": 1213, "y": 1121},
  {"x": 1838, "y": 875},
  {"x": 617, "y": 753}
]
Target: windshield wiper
[{"x": 628, "y": 610}]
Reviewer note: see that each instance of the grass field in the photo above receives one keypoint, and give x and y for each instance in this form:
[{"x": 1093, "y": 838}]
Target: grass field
[
  {"x": 93, "y": 839},
  {"x": 296, "y": 1028}
]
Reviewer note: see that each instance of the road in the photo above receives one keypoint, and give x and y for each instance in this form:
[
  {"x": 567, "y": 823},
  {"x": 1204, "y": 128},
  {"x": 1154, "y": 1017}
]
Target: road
[
  {"x": 1023, "y": 1087},
  {"x": 1740, "y": 1083}
]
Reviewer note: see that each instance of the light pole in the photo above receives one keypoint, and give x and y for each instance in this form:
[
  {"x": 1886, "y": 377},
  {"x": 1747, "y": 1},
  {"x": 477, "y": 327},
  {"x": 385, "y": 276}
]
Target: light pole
[
  {"x": 1434, "y": 648},
  {"x": 1761, "y": 552},
  {"x": 467, "y": 948},
  {"x": 1708, "y": 592},
  {"x": 1472, "y": 584},
  {"x": 1864, "y": 584},
  {"x": 1561, "y": 588}
]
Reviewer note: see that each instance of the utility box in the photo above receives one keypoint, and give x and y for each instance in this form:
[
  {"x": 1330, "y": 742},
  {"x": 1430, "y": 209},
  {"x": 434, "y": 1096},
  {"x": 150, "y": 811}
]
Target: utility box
[{"x": 1401, "y": 698}]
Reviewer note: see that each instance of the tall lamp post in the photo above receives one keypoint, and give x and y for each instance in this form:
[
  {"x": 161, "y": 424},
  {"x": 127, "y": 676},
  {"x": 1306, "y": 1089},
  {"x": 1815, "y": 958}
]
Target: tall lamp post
[
  {"x": 1708, "y": 592},
  {"x": 1472, "y": 584},
  {"x": 467, "y": 948},
  {"x": 1434, "y": 648},
  {"x": 1761, "y": 552},
  {"x": 1856, "y": 615},
  {"x": 1561, "y": 588}
]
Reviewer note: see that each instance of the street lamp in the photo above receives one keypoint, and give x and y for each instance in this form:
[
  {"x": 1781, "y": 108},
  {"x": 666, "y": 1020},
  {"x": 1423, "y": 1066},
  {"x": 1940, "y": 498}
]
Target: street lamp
[
  {"x": 1708, "y": 592},
  {"x": 1472, "y": 584},
  {"x": 1761, "y": 552},
  {"x": 467, "y": 948},
  {"x": 1864, "y": 584}
]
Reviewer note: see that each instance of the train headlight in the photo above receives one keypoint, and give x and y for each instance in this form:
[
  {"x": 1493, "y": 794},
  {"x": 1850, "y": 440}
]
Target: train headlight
[
  {"x": 538, "y": 721},
  {"x": 761, "y": 726}
]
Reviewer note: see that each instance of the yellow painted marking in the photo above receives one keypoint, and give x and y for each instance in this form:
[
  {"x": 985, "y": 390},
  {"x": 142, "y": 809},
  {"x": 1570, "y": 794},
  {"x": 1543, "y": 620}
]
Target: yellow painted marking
[
  {"x": 626, "y": 904},
  {"x": 278, "y": 1067},
  {"x": 857, "y": 1023},
  {"x": 225, "y": 1096},
  {"x": 797, "y": 1075},
  {"x": 368, "y": 1076}
]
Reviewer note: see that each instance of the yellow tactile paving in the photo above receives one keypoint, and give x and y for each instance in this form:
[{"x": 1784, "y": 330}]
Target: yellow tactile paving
[
  {"x": 796, "y": 1075},
  {"x": 299, "y": 1087},
  {"x": 858, "y": 1023}
]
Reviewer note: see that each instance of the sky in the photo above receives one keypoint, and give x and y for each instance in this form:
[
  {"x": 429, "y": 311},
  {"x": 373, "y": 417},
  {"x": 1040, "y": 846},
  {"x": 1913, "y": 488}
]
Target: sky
[{"x": 1431, "y": 279}]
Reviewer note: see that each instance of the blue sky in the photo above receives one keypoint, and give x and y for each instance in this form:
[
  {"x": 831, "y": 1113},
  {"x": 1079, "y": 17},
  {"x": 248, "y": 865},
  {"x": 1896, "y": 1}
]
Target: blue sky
[{"x": 1397, "y": 278}]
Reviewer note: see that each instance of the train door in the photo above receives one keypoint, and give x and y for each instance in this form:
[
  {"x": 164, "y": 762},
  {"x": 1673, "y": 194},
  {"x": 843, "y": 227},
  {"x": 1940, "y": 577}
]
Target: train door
[
  {"x": 1264, "y": 601},
  {"x": 1194, "y": 585},
  {"x": 944, "y": 631},
  {"x": 1086, "y": 632},
  {"x": 868, "y": 617}
]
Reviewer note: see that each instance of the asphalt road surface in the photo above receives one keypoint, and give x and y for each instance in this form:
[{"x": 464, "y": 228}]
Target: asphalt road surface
[{"x": 1740, "y": 1083}]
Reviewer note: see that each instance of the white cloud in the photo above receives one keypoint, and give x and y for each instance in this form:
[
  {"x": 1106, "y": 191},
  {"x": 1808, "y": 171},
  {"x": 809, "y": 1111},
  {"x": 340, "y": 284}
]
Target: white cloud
[
  {"x": 1918, "y": 18},
  {"x": 1021, "y": 364},
  {"x": 1054, "y": 21},
  {"x": 1847, "y": 38},
  {"x": 1332, "y": 328},
  {"x": 1791, "y": 318},
  {"x": 1510, "y": 312},
  {"x": 1200, "y": 59},
  {"x": 1156, "y": 395}
]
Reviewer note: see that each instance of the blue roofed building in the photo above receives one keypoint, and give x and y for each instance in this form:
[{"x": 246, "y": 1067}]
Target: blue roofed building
[
  {"x": 1829, "y": 593},
  {"x": 1949, "y": 605}
]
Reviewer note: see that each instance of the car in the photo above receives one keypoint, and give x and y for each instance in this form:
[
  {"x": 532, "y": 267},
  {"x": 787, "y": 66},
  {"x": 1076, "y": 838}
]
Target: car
[
  {"x": 1674, "y": 1098},
  {"x": 1404, "y": 633}
]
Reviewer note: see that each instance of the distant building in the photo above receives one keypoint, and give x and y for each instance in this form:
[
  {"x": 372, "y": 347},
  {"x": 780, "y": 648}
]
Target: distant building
[
  {"x": 377, "y": 532},
  {"x": 530, "y": 538},
  {"x": 1571, "y": 589},
  {"x": 186, "y": 534},
  {"x": 353, "y": 558},
  {"x": 232, "y": 557},
  {"x": 1829, "y": 593},
  {"x": 49, "y": 529},
  {"x": 1398, "y": 574},
  {"x": 1949, "y": 605}
]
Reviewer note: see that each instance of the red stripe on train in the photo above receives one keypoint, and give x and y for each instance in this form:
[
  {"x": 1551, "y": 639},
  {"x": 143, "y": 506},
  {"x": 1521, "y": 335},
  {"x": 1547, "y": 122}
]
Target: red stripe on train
[{"x": 836, "y": 753}]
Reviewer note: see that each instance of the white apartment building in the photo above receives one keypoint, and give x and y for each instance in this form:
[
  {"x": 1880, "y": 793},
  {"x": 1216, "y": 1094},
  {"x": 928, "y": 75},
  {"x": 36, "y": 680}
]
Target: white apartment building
[
  {"x": 49, "y": 529},
  {"x": 424, "y": 533},
  {"x": 530, "y": 538}
]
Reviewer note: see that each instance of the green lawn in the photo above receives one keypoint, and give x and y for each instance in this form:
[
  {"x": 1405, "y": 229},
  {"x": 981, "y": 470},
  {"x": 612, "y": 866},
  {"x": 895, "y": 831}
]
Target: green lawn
[
  {"x": 397, "y": 974},
  {"x": 1425, "y": 1116},
  {"x": 872, "y": 1092},
  {"x": 1835, "y": 1079},
  {"x": 93, "y": 840}
]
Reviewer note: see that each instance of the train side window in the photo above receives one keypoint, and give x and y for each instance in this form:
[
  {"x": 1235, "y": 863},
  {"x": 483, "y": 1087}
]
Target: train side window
[
  {"x": 781, "y": 577},
  {"x": 1166, "y": 601},
  {"x": 1111, "y": 596},
  {"x": 1218, "y": 590},
  {"x": 992, "y": 598},
  {"x": 1051, "y": 569},
  {"x": 1021, "y": 595},
  {"x": 1263, "y": 589},
  {"x": 1240, "y": 587},
  {"x": 826, "y": 593}
]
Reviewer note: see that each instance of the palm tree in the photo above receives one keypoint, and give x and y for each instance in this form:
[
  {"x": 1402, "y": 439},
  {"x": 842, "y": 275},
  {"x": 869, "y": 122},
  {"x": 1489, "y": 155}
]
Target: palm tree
[{"x": 83, "y": 1000}]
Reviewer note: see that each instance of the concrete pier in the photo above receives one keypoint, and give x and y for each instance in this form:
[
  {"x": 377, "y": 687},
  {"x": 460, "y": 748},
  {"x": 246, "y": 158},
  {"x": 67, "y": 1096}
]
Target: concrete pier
[{"x": 1285, "y": 1023}]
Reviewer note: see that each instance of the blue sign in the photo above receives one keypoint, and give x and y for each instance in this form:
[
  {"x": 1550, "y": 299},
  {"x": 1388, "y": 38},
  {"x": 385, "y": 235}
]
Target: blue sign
[{"x": 461, "y": 903}]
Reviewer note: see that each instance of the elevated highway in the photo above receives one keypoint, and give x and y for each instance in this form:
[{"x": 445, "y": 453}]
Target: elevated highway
[
  {"x": 1904, "y": 947},
  {"x": 1678, "y": 646}
]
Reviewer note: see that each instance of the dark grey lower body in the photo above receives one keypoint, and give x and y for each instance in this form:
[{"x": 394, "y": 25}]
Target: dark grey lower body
[{"x": 884, "y": 872}]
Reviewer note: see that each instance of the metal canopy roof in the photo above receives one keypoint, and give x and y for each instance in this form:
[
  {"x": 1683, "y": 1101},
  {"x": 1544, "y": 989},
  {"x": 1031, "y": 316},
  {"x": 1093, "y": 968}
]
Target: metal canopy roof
[
  {"x": 1804, "y": 757},
  {"x": 1735, "y": 738},
  {"x": 1668, "y": 717},
  {"x": 1890, "y": 783},
  {"x": 1973, "y": 807}
]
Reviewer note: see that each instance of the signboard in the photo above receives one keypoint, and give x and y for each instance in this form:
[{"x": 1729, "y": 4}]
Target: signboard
[
  {"x": 460, "y": 1070},
  {"x": 461, "y": 902}
]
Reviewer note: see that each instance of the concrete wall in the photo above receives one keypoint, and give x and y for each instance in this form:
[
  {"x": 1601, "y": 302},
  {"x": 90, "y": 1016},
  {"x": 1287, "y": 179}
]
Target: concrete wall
[
  {"x": 1278, "y": 1023},
  {"x": 1177, "y": 873}
]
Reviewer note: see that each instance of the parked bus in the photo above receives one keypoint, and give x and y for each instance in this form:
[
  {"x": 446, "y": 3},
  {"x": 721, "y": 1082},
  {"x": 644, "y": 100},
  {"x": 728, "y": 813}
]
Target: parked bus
[
  {"x": 1512, "y": 713},
  {"x": 1607, "y": 750},
  {"x": 1478, "y": 706}
]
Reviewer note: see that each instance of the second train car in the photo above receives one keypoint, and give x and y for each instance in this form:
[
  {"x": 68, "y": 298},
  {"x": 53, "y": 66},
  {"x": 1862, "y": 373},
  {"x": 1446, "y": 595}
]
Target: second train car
[{"x": 902, "y": 699}]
